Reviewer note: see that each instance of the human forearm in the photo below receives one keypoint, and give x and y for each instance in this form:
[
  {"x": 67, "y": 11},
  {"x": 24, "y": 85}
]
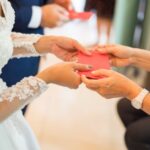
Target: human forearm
[
  {"x": 146, "y": 104},
  {"x": 32, "y": 44},
  {"x": 116, "y": 85},
  {"x": 1, "y": 12},
  {"x": 17, "y": 96},
  {"x": 24, "y": 44},
  {"x": 122, "y": 56},
  {"x": 134, "y": 90},
  {"x": 141, "y": 58},
  {"x": 7, "y": 108},
  {"x": 45, "y": 43},
  {"x": 146, "y": 101}
]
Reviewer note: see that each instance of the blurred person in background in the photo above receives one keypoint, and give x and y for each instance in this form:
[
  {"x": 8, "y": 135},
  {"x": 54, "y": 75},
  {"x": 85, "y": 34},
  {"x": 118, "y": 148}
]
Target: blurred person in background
[
  {"x": 31, "y": 17},
  {"x": 105, "y": 11}
]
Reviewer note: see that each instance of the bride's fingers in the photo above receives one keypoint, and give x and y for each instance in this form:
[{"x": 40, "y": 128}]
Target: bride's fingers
[
  {"x": 80, "y": 48},
  {"x": 81, "y": 67}
]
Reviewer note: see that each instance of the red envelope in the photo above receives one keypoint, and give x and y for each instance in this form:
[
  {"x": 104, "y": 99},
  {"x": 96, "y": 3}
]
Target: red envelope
[
  {"x": 97, "y": 60},
  {"x": 80, "y": 15}
]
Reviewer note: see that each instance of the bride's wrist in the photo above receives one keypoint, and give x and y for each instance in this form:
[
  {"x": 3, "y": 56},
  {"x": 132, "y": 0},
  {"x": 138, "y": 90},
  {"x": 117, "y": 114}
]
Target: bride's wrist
[
  {"x": 45, "y": 44},
  {"x": 40, "y": 76},
  {"x": 48, "y": 75}
]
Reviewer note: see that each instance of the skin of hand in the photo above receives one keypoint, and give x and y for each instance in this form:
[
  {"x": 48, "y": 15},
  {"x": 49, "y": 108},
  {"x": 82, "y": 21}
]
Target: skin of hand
[
  {"x": 63, "y": 47},
  {"x": 64, "y": 3},
  {"x": 64, "y": 74},
  {"x": 1, "y": 12},
  {"x": 112, "y": 85},
  {"x": 120, "y": 56},
  {"x": 53, "y": 15}
]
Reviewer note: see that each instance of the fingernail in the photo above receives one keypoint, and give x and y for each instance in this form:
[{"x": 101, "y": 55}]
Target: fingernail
[
  {"x": 89, "y": 67},
  {"x": 93, "y": 72}
]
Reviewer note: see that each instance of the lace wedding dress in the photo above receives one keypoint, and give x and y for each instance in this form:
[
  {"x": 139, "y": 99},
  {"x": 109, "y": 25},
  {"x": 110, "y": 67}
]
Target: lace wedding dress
[{"x": 15, "y": 134}]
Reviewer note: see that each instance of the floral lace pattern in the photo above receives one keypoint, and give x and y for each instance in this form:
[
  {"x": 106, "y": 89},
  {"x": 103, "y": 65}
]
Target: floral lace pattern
[
  {"x": 24, "y": 90},
  {"x": 8, "y": 20},
  {"x": 24, "y": 44},
  {"x": 6, "y": 25},
  {"x": 15, "y": 134},
  {"x": 2, "y": 85}
]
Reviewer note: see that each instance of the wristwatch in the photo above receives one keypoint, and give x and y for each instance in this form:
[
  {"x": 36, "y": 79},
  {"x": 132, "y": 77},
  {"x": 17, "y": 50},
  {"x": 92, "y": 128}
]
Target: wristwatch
[{"x": 138, "y": 100}]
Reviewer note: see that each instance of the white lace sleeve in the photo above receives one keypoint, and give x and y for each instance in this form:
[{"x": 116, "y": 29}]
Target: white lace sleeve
[
  {"x": 24, "y": 44},
  {"x": 25, "y": 90}
]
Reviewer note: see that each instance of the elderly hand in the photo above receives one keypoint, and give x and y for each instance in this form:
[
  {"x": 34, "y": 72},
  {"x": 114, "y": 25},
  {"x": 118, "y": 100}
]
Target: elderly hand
[
  {"x": 113, "y": 85},
  {"x": 64, "y": 48},
  {"x": 53, "y": 15},
  {"x": 64, "y": 74},
  {"x": 120, "y": 56}
]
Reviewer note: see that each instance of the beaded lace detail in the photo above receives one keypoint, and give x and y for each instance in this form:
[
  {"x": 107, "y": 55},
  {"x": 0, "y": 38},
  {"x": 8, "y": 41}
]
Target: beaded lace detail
[
  {"x": 26, "y": 89},
  {"x": 24, "y": 44},
  {"x": 6, "y": 25},
  {"x": 14, "y": 132}
]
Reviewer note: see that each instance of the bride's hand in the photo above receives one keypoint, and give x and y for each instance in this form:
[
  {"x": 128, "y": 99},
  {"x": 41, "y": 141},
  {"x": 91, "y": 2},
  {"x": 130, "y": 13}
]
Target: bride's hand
[
  {"x": 64, "y": 74},
  {"x": 63, "y": 47}
]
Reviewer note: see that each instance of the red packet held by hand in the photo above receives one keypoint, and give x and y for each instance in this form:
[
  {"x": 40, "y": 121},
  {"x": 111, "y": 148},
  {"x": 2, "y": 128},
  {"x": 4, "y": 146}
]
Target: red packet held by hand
[
  {"x": 80, "y": 15},
  {"x": 96, "y": 60}
]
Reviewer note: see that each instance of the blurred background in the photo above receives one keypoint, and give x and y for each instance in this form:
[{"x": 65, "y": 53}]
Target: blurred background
[{"x": 65, "y": 119}]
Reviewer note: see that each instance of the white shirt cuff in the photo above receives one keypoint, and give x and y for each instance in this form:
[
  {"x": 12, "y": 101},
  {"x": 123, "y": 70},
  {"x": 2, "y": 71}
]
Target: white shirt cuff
[{"x": 36, "y": 17}]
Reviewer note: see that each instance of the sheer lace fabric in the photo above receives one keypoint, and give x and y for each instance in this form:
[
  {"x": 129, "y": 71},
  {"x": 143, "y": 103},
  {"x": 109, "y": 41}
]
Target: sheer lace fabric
[
  {"x": 17, "y": 44},
  {"x": 24, "y": 90},
  {"x": 15, "y": 134},
  {"x": 24, "y": 44}
]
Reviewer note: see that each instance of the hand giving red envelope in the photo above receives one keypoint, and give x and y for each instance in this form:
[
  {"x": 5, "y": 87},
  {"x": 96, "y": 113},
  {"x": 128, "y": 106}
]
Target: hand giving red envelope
[
  {"x": 80, "y": 15},
  {"x": 96, "y": 60}
]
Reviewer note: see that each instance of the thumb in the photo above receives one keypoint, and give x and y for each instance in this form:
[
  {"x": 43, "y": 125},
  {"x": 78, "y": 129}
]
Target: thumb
[
  {"x": 80, "y": 48},
  {"x": 63, "y": 11},
  {"x": 63, "y": 18},
  {"x": 82, "y": 67},
  {"x": 103, "y": 72},
  {"x": 106, "y": 49}
]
